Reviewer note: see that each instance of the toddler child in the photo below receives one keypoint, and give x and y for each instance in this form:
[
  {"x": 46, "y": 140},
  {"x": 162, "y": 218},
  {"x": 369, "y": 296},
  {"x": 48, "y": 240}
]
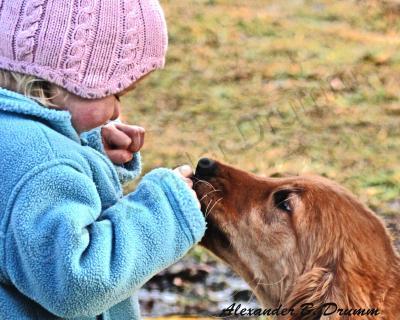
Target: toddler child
[{"x": 71, "y": 245}]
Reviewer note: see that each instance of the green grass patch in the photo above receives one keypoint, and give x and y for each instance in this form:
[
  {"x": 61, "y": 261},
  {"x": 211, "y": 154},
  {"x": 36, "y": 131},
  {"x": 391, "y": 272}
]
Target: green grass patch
[{"x": 310, "y": 86}]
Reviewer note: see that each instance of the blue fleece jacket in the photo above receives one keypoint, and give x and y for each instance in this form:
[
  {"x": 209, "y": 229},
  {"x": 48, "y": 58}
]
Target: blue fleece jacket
[{"x": 71, "y": 245}]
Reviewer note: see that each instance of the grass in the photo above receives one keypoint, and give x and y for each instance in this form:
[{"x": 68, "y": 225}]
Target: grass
[
  {"x": 300, "y": 86},
  {"x": 295, "y": 86}
]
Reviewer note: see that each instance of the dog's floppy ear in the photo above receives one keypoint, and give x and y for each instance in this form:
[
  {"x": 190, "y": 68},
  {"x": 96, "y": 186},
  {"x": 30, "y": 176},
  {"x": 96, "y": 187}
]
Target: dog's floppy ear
[{"x": 309, "y": 293}]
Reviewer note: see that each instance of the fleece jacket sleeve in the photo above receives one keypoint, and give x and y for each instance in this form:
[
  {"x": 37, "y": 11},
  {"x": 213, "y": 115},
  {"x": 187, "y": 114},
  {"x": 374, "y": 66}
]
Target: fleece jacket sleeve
[
  {"x": 127, "y": 171},
  {"x": 74, "y": 259}
]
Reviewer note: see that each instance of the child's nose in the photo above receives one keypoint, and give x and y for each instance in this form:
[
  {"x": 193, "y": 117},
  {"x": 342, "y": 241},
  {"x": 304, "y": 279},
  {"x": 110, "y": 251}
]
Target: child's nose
[{"x": 117, "y": 111}]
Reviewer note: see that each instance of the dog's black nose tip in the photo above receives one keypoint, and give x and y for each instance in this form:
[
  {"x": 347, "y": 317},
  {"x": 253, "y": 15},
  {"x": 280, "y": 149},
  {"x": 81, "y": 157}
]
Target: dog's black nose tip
[{"x": 206, "y": 167}]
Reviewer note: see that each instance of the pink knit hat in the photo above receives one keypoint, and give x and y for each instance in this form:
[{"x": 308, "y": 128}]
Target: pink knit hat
[{"x": 91, "y": 48}]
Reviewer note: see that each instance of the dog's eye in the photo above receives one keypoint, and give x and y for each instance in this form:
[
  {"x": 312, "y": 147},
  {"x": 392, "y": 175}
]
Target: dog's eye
[
  {"x": 282, "y": 200},
  {"x": 285, "y": 205}
]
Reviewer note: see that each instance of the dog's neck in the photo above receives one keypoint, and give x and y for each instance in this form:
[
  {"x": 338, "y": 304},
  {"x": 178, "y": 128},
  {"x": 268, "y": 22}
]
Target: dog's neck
[
  {"x": 342, "y": 278},
  {"x": 357, "y": 292},
  {"x": 322, "y": 286}
]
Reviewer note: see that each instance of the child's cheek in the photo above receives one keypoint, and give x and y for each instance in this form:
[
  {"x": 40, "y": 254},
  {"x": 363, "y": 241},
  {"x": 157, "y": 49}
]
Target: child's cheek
[{"x": 89, "y": 118}]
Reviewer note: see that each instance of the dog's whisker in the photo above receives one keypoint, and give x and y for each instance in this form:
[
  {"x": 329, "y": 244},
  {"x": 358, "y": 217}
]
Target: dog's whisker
[
  {"x": 281, "y": 291},
  {"x": 208, "y": 211},
  {"x": 205, "y": 182},
  {"x": 275, "y": 283},
  {"x": 208, "y": 193},
  {"x": 252, "y": 291},
  {"x": 259, "y": 282},
  {"x": 207, "y": 208},
  {"x": 213, "y": 206}
]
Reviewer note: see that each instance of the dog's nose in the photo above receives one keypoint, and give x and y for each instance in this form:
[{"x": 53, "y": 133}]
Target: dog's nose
[{"x": 206, "y": 167}]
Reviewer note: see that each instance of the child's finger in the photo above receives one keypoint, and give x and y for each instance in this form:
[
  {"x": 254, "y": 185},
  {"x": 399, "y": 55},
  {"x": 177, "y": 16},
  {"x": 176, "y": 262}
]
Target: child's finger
[
  {"x": 185, "y": 170},
  {"x": 136, "y": 134},
  {"x": 119, "y": 156},
  {"x": 115, "y": 138},
  {"x": 189, "y": 182}
]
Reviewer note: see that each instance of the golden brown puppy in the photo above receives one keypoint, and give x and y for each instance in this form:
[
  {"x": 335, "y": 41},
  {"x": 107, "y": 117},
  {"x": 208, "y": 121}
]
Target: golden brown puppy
[{"x": 300, "y": 242}]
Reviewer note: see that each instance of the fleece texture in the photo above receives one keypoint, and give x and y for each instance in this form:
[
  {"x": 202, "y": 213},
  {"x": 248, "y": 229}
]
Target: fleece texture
[{"x": 71, "y": 245}]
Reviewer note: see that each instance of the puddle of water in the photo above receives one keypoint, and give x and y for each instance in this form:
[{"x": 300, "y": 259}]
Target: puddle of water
[{"x": 191, "y": 288}]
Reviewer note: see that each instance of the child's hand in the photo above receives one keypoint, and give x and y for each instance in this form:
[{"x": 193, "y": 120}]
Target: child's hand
[
  {"x": 185, "y": 172},
  {"x": 121, "y": 141}
]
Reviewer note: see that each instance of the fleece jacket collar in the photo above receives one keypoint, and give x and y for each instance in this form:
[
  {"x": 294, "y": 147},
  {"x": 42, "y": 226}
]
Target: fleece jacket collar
[{"x": 59, "y": 120}]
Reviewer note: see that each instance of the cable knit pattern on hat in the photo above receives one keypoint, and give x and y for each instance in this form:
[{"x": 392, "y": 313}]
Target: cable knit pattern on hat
[
  {"x": 91, "y": 48},
  {"x": 25, "y": 42},
  {"x": 131, "y": 44},
  {"x": 78, "y": 48}
]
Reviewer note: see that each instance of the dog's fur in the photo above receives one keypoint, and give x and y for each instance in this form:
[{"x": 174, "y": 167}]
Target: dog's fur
[{"x": 328, "y": 247}]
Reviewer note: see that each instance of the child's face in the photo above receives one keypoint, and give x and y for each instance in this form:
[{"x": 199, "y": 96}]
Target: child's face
[{"x": 89, "y": 114}]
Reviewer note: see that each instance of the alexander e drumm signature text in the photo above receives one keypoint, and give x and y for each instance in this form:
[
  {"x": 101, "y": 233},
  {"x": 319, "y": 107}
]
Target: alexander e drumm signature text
[{"x": 326, "y": 309}]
